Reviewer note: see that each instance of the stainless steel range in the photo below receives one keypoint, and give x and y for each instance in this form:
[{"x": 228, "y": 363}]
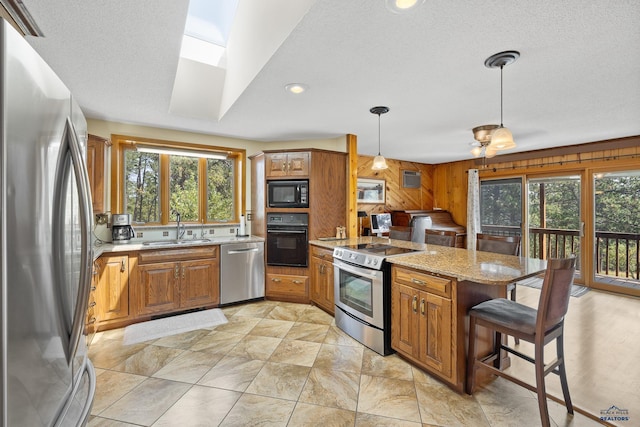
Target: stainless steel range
[{"x": 363, "y": 292}]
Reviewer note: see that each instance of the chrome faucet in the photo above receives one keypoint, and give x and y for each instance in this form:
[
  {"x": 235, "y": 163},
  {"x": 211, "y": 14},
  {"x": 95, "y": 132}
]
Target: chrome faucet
[{"x": 179, "y": 233}]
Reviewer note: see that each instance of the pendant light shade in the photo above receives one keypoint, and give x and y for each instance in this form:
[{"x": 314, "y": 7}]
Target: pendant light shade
[
  {"x": 501, "y": 138},
  {"x": 379, "y": 162}
]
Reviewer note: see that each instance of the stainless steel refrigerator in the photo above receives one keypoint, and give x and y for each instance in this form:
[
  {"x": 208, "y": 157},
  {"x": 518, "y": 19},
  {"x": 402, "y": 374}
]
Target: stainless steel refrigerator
[{"x": 45, "y": 253}]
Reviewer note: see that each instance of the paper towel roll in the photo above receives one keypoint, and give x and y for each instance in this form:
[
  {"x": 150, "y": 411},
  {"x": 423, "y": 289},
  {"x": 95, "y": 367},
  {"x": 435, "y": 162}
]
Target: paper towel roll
[{"x": 243, "y": 226}]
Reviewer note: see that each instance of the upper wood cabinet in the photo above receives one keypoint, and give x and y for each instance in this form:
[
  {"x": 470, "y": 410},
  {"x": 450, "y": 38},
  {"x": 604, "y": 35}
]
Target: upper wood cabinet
[
  {"x": 281, "y": 165},
  {"x": 96, "y": 154}
]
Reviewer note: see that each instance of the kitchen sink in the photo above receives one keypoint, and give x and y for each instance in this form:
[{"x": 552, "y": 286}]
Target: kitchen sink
[{"x": 175, "y": 242}]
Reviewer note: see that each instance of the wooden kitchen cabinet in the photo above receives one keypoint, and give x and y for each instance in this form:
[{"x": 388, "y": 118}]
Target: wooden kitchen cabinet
[
  {"x": 421, "y": 320},
  {"x": 322, "y": 278},
  {"x": 287, "y": 287},
  {"x": 281, "y": 165},
  {"x": 112, "y": 289},
  {"x": 96, "y": 154},
  {"x": 177, "y": 279}
]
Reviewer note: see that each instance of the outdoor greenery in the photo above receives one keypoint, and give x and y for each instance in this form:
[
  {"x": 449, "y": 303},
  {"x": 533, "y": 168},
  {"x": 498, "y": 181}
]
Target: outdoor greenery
[
  {"x": 616, "y": 211},
  {"x": 142, "y": 186},
  {"x": 143, "y": 198}
]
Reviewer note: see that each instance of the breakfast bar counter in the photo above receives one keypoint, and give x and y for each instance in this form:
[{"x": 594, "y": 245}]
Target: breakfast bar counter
[
  {"x": 475, "y": 266},
  {"x": 431, "y": 292}
]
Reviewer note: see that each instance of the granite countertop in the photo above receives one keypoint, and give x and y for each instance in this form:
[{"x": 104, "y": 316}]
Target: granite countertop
[
  {"x": 465, "y": 265},
  {"x": 100, "y": 249}
]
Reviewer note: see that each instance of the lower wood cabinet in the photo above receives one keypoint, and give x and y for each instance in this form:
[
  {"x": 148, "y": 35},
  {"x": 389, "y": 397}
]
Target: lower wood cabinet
[
  {"x": 422, "y": 322},
  {"x": 177, "y": 279},
  {"x": 112, "y": 288},
  {"x": 287, "y": 287},
  {"x": 321, "y": 272}
]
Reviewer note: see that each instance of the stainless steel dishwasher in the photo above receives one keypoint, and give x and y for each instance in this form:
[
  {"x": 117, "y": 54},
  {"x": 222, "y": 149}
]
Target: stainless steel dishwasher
[{"x": 241, "y": 271}]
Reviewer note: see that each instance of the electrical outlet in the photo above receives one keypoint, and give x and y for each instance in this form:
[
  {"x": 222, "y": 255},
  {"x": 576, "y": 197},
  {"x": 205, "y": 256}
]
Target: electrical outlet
[{"x": 102, "y": 218}]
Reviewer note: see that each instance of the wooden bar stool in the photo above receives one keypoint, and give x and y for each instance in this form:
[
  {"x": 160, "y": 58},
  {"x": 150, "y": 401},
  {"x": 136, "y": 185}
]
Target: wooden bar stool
[
  {"x": 400, "y": 232},
  {"x": 440, "y": 237},
  {"x": 538, "y": 326}
]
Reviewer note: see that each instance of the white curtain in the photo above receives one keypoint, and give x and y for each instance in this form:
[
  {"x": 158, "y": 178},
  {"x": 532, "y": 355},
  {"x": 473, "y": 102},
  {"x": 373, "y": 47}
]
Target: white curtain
[{"x": 473, "y": 208}]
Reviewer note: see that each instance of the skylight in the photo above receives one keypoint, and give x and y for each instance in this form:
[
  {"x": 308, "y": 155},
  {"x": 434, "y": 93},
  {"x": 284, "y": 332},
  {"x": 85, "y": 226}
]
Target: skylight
[{"x": 207, "y": 30}]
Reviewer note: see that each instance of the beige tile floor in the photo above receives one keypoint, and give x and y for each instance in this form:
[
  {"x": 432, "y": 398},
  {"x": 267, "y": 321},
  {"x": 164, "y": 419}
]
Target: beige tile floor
[{"x": 283, "y": 364}]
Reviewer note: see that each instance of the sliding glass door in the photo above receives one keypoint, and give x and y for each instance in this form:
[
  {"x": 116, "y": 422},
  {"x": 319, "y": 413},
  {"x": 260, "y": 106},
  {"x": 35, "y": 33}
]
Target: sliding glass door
[
  {"x": 616, "y": 230},
  {"x": 555, "y": 223}
]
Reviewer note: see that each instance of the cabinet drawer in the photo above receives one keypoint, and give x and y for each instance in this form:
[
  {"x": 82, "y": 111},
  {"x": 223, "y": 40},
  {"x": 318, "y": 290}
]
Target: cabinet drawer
[
  {"x": 288, "y": 285},
  {"x": 170, "y": 255},
  {"x": 423, "y": 281},
  {"x": 326, "y": 254}
]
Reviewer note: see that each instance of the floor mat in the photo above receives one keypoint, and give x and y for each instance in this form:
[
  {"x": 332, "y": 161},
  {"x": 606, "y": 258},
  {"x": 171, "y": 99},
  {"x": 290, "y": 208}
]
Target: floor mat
[
  {"x": 172, "y": 325},
  {"x": 536, "y": 282}
]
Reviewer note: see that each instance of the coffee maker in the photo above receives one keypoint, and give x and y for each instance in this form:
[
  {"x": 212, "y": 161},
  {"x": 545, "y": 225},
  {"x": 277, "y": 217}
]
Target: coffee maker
[{"x": 121, "y": 230}]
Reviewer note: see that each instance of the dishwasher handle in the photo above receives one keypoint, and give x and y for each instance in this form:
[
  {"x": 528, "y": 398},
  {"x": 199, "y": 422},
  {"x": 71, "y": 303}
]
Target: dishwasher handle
[{"x": 242, "y": 251}]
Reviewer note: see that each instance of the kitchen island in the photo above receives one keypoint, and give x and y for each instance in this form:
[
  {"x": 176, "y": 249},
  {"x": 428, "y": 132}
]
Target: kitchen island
[{"x": 432, "y": 291}]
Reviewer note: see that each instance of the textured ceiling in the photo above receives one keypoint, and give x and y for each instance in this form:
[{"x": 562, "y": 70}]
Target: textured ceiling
[{"x": 577, "y": 80}]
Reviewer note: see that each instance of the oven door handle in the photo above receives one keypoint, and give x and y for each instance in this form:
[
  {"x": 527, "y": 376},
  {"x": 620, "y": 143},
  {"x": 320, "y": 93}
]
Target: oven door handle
[
  {"x": 287, "y": 231},
  {"x": 364, "y": 272}
]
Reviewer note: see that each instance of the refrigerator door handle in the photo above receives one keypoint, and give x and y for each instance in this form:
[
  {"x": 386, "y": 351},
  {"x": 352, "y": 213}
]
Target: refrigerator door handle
[
  {"x": 86, "y": 254},
  {"x": 70, "y": 147}
]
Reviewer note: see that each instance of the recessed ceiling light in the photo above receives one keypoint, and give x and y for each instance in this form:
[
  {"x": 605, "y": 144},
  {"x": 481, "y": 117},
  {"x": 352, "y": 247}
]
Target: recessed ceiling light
[
  {"x": 296, "y": 88},
  {"x": 402, "y": 6}
]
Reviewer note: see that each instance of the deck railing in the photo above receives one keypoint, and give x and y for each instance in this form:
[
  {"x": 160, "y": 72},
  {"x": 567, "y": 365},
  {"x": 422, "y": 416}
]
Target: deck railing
[{"x": 617, "y": 254}]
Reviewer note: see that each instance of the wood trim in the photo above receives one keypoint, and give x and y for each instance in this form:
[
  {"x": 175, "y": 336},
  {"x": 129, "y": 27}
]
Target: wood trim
[
  {"x": 352, "y": 184},
  {"x": 609, "y": 144}
]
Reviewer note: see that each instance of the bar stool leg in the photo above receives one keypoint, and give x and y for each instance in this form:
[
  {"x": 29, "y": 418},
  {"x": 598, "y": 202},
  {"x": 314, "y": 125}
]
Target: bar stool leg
[
  {"x": 563, "y": 373},
  {"x": 540, "y": 385}
]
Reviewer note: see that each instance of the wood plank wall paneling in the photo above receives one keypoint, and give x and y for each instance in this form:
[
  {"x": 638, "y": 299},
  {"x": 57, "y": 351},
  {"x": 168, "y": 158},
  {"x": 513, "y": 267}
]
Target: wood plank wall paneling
[
  {"x": 450, "y": 179},
  {"x": 397, "y": 197}
]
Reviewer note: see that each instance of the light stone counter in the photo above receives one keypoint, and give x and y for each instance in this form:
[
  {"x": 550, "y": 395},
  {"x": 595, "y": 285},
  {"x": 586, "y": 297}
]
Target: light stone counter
[
  {"x": 465, "y": 265},
  {"x": 140, "y": 246}
]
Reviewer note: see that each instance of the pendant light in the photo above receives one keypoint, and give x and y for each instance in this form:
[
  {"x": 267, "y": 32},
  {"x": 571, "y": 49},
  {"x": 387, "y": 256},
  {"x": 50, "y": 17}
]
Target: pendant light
[
  {"x": 482, "y": 135},
  {"x": 379, "y": 162},
  {"x": 501, "y": 138}
]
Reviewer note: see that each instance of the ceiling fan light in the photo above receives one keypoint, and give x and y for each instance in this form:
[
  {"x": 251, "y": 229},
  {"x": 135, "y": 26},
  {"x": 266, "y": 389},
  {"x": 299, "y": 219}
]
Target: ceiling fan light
[
  {"x": 502, "y": 139},
  {"x": 476, "y": 151},
  {"x": 489, "y": 152},
  {"x": 379, "y": 163}
]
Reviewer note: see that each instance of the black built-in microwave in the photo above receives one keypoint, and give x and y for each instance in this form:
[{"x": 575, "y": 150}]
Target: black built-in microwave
[{"x": 288, "y": 194}]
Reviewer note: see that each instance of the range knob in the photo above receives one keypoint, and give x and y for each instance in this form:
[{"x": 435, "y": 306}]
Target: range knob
[{"x": 375, "y": 262}]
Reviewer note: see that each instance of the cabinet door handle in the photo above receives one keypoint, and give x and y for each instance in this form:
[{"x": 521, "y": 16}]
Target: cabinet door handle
[
  {"x": 275, "y": 279},
  {"x": 422, "y": 306},
  {"x": 414, "y": 304},
  {"x": 297, "y": 282},
  {"x": 92, "y": 321},
  {"x": 176, "y": 272},
  {"x": 183, "y": 270},
  {"x": 92, "y": 304},
  {"x": 417, "y": 282},
  {"x": 123, "y": 265},
  {"x": 284, "y": 166},
  {"x": 321, "y": 268}
]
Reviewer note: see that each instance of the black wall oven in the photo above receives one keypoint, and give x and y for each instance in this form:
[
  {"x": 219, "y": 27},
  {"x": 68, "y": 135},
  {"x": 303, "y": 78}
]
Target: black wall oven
[{"x": 287, "y": 239}]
